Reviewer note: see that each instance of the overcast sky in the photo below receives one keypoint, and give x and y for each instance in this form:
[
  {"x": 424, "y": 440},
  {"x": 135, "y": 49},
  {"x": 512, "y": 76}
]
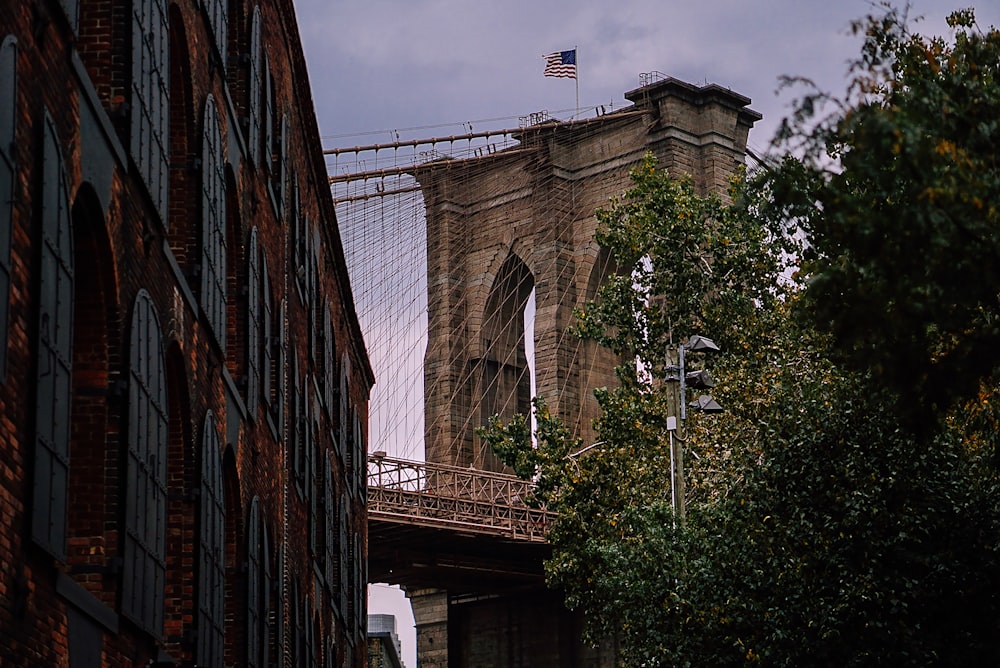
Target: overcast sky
[
  {"x": 426, "y": 68},
  {"x": 382, "y": 65}
]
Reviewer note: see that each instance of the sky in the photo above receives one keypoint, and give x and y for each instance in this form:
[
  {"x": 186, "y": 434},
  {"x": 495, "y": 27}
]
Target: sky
[{"x": 381, "y": 69}]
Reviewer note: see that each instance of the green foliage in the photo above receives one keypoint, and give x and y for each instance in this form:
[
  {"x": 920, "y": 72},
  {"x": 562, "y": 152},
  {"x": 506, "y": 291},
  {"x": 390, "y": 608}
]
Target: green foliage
[
  {"x": 845, "y": 509},
  {"x": 897, "y": 188}
]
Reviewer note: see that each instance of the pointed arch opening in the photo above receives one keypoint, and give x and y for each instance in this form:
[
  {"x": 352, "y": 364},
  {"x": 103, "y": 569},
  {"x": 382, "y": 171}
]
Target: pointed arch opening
[{"x": 504, "y": 374}]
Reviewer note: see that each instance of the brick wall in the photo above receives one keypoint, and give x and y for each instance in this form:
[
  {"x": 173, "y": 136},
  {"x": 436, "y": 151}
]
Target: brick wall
[{"x": 53, "y": 604}]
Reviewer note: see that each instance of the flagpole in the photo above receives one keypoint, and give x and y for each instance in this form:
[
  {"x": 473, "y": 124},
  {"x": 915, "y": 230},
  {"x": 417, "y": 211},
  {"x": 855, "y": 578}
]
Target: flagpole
[{"x": 576, "y": 52}]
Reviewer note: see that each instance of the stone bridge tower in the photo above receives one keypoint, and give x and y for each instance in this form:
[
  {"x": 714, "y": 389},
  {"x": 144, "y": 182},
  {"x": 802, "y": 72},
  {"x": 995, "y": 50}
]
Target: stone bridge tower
[{"x": 513, "y": 224}]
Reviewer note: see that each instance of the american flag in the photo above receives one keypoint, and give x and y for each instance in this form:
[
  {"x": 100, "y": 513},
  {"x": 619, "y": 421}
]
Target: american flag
[{"x": 561, "y": 64}]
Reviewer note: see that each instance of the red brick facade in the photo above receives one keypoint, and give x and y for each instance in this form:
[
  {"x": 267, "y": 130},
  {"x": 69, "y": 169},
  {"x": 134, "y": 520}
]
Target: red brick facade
[{"x": 183, "y": 405}]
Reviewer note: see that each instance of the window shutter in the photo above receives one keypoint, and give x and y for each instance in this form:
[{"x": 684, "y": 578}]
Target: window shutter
[
  {"x": 218, "y": 20},
  {"x": 298, "y": 418},
  {"x": 55, "y": 354},
  {"x": 256, "y": 613},
  {"x": 329, "y": 355},
  {"x": 329, "y": 527},
  {"x": 254, "y": 90},
  {"x": 8, "y": 168},
  {"x": 149, "y": 145},
  {"x": 213, "y": 213},
  {"x": 342, "y": 424},
  {"x": 268, "y": 121},
  {"x": 344, "y": 554},
  {"x": 279, "y": 369},
  {"x": 254, "y": 326},
  {"x": 211, "y": 550},
  {"x": 267, "y": 342},
  {"x": 146, "y": 474}
]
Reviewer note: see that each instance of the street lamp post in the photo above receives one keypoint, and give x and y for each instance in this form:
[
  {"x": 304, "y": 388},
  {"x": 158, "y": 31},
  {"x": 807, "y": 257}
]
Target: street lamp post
[{"x": 695, "y": 379}]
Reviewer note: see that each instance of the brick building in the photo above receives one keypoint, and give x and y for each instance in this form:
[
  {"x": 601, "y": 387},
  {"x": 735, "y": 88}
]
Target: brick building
[{"x": 183, "y": 401}]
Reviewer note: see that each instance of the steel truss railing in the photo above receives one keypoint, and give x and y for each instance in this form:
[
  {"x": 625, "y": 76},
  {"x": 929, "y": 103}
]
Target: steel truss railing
[{"x": 444, "y": 496}]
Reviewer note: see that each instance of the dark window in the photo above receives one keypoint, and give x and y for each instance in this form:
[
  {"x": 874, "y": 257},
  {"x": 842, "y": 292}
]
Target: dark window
[
  {"x": 279, "y": 370},
  {"x": 211, "y": 550},
  {"x": 312, "y": 476},
  {"x": 343, "y": 426},
  {"x": 150, "y": 99},
  {"x": 213, "y": 222},
  {"x": 268, "y": 342},
  {"x": 298, "y": 626},
  {"x": 329, "y": 358},
  {"x": 218, "y": 21},
  {"x": 255, "y": 88},
  {"x": 344, "y": 553},
  {"x": 299, "y": 241},
  {"x": 55, "y": 353},
  {"x": 279, "y": 172},
  {"x": 353, "y": 596},
  {"x": 299, "y": 417},
  {"x": 8, "y": 125},
  {"x": 256, "y": 610},
  {"x": 331, "y": 559},
  {"x": 267, "y": 123},
  {"x": 254, "y": 326},
  {"x": 360, "y": 480},
  {"x": 146, "y": 478}
]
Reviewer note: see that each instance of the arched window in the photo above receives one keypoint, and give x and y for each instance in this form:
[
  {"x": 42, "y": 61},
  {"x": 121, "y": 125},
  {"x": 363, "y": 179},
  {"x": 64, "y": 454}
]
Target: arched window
[
  {"x": 211, "y": 550},
  {"x": 257, "y": 588},
  {"x": 255, "y": 88},
  {"x": 360, "y": 477},
  {"x": 329, "y": 360},
  {"x": 267, "y": 342},
  {"x": 8, "y": 126},
  {"x": 343, "y": 426},
  {"x": 279, "y": 172},
  {"x": 344, "y": 572},
  {"x": 146, "y": 476},
  {"x": 149, "y": 106},
  {"x": 55, "y": 353},
  {"x": 300, "y": 416},
  {"x": 254, "y": 326},
  {"x": 218, "y": 21},
  {"x": 213, "y": 224},
  {"x": 331, "y": 557},
  {"x": 279, "y": 371}
]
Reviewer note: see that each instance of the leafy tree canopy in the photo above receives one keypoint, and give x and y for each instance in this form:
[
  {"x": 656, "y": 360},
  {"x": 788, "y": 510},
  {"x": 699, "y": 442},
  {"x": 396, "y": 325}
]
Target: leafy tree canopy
[{"x": 897, "y": 188}]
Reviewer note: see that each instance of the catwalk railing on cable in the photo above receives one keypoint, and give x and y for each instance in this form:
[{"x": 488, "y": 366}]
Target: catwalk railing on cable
[{"x": 451, "y": 497}]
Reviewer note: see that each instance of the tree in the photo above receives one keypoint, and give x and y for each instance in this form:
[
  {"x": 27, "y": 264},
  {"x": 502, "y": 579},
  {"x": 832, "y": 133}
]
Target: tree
[
  {"x": 897, "y": 188},
  {"x": 819, "y": 531}
]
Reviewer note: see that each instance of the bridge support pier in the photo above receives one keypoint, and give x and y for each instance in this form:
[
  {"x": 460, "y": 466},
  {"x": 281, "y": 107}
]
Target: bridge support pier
[{"x": 430, "y": 614}]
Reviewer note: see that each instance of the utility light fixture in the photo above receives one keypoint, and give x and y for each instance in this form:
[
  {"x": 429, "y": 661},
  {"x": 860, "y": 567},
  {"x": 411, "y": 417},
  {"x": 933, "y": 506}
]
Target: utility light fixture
[
  {"x": 699, "y": 344},
  {"x": 699, "y": 379},
  {"x": 705, "y": 404}
]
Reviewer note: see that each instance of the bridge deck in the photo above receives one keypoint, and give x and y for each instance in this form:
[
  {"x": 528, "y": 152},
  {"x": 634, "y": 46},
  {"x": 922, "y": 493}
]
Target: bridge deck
[{"x": 435, "y": 525}]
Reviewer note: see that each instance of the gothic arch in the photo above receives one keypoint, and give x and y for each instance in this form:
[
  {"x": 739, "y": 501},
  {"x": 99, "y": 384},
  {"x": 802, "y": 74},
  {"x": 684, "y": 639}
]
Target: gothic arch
[{"x": 502, "y": 372}]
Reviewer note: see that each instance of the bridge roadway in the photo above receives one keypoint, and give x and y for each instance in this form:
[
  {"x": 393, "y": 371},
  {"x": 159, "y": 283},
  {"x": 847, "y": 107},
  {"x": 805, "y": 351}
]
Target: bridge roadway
[{"x": 464, "y": 530}]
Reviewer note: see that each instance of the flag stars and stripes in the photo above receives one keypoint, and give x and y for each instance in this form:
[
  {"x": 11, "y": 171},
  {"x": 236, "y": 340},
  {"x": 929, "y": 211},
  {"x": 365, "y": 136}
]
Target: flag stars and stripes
[{"x": 561, "y": 64}]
